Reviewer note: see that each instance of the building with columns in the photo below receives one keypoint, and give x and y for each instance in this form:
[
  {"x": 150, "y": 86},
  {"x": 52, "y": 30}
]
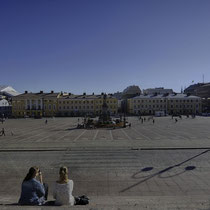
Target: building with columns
[
  {"x": 60, "y": 104},
  {"x": 35, "y": 104}
]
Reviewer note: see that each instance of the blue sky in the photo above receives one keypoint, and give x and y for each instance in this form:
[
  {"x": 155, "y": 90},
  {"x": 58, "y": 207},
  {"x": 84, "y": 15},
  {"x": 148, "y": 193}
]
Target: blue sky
[{"x": 103, "y": 45}]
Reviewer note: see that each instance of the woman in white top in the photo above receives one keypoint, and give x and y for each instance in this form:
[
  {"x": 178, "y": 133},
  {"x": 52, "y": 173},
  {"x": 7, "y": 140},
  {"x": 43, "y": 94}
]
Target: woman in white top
[{"x": 63, "y": 189}]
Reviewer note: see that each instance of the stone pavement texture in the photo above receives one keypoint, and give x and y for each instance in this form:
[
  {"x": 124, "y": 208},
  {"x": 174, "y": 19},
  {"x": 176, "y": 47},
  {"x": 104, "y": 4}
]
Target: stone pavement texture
[{"x": 160, "y": 166}]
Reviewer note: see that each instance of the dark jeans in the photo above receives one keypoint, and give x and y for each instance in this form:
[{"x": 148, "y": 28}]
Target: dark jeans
[{"x": 46, "y": 190}]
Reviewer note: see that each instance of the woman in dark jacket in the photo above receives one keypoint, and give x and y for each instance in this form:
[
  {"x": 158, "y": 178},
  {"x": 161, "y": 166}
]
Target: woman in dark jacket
[{"x": 33, "y": 192}]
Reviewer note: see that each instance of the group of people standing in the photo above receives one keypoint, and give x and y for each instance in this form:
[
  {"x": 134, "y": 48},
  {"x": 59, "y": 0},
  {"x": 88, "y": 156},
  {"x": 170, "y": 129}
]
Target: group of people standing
[{"x": 35, "y": 192}]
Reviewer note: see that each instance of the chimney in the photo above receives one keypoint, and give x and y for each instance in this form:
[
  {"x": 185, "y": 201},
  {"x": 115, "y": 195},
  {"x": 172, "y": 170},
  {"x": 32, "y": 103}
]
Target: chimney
[
  {"x": 69, "y": 94},
  {"x": 52, "y": 91},
  {"x": 41, "y": 91},
  {"x": 26, "y": 91}
]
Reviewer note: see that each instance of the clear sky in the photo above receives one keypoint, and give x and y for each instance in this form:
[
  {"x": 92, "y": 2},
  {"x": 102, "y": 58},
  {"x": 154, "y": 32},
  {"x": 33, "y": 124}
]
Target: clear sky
[{"x": 103, "y": 45}]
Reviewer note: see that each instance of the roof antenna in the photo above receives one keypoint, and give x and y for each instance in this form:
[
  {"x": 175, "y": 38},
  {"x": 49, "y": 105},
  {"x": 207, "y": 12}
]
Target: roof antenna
[{"x": 203, "y": 78}]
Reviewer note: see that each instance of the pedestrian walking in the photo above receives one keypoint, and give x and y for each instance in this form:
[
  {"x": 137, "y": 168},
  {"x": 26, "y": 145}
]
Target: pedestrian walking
[
  {"x": 3, "y": 132},
  {"x": 45, "y": 121},
  {"x": 129, "y": 125},
  {"x": 176, "y": 120},
  {"x": 153, "y": 121},
  {"x": 142, "y": 120}
]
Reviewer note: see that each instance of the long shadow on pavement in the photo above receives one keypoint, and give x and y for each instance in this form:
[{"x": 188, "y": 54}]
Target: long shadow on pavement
[{"x": 164, "y": 170}]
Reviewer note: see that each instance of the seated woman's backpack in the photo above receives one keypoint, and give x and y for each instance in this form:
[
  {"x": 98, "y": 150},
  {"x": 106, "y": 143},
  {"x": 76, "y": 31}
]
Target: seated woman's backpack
[{"x": 81, "y": 200}]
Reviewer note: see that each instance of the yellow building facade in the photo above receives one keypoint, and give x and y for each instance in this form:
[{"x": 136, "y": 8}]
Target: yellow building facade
[
  {"x": 35, "y": 104},
  {"x": 60, "y": 104},
  {"x": 73, "y": 105}
]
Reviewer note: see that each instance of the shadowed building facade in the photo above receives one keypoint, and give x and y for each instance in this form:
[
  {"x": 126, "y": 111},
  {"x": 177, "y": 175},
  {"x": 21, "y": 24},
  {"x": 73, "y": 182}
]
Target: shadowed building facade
[{"x": 168, "y": 103}]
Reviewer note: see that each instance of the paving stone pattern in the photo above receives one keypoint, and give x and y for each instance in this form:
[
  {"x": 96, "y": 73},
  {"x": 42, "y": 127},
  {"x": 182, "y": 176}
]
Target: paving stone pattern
[{"x": 160, "y": 166}]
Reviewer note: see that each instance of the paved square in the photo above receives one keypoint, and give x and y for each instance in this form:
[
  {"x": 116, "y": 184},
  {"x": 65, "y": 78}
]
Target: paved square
[
  {"x": 140, "y": 167},
  {"x": 61, "y": 133}
]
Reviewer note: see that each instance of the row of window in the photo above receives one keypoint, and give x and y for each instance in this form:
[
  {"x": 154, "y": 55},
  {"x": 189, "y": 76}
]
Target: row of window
[
  {"x": 149, "y": 106},
  {"x": 161, "y": 101},
  {"x": 63, "y": 102},
  {"x": 84, "y": 102},
  {"x": 184, "y": 106},
  {"x": 146, "y": 101},
  {"x": 83, "y": 107},
  {"x": 171, "y": 112},
  {"x": 164, "y": 106}
]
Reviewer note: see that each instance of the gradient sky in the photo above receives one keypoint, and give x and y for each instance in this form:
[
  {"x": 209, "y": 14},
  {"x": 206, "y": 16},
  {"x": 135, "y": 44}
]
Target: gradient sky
[{"x": 103, "y": 45}]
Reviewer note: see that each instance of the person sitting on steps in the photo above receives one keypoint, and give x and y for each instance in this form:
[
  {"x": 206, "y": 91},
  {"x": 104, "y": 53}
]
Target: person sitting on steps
[
  {"x": 33, "y": 192},
  {"x": 63, "y": 188}
]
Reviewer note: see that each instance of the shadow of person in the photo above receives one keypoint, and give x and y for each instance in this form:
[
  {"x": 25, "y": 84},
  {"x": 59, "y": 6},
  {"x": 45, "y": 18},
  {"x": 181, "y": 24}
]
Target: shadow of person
[
  {"x": 146, "y": 169},
  {"x": 188, "y": 168}
]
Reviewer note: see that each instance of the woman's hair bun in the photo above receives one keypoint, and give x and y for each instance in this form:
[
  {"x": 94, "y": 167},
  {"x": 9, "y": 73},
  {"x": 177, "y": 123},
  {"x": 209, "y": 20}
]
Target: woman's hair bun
[{"x": 63, "y": 170}]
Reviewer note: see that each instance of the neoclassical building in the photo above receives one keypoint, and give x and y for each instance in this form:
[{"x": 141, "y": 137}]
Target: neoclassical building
[
  {"x": 35, "y": 104},
  {"x": 60, "y": 104},
  {"x": 70, "y": 105},
  {"x": 167, "y": 103}
]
